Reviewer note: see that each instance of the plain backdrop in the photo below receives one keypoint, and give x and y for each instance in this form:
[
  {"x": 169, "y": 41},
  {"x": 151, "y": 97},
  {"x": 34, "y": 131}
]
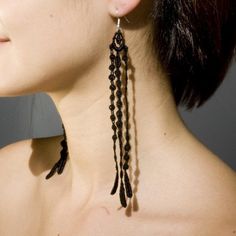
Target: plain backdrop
[{"x": 214, "y": 123}]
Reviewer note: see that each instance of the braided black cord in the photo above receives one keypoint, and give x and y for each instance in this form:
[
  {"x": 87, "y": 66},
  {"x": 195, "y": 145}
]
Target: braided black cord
[
  {"x": 127, "y": 145},
  {"x": 113, "y": 118},
  {"x": 119, "y": 124}
]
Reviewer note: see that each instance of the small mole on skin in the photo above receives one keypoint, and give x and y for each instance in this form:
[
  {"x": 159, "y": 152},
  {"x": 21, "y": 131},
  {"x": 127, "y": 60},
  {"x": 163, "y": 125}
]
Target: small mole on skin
[
  {"x": 164, "y": 133},
  {"x": 51, "y": 15},
  {"x": 234, "y": 232}
]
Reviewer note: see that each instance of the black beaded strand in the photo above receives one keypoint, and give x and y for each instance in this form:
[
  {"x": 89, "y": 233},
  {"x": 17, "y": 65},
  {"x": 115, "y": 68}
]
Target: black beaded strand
[
  {"x": 119, "y": 124},
  {"x": 59, "y": 166},
  {"x": 113, "y": 118},
  {"x": 127, "y": 145}
]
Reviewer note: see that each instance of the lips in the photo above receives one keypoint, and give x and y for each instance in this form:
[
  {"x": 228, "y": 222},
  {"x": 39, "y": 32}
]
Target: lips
[
  {"x": 4, "y": 39},
  {"x": 3, "y": 36}
]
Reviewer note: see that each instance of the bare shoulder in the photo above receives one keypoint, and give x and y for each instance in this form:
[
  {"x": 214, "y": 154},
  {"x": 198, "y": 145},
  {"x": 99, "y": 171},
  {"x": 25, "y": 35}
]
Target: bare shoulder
[
  {"x": 195, "y": 193},
  {"x": 222, "y": 194},
  {"x": 20, "y": 159},
  {"x": 13, "y": 155},
  {"x": 23, "y": 163},
  {"x": 212, "y": 189},
  {"x": 14, "y": 176}
]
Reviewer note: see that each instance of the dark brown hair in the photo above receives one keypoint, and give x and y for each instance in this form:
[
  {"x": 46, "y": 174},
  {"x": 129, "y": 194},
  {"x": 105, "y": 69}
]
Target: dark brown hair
[{"x": 195, "y": 42}]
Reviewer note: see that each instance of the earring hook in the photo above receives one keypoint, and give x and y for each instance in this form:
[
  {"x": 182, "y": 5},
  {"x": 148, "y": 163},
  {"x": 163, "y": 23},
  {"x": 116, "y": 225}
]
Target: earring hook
[{"x": 118, "y": 23}]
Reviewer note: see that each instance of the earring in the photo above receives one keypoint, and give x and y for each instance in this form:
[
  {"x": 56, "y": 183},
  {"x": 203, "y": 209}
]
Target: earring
[
  {"x": 59, "y": 166},
  {"x": 117, "y": 57},
  {"x": 116, "y": 48}
]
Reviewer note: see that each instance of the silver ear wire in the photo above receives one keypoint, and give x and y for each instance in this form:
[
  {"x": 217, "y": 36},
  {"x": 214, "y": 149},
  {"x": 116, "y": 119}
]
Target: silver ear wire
[{"x": 118, "y": 23}]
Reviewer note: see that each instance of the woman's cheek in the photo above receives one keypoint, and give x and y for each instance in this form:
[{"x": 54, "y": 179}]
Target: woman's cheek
[
  {"x": 48, "y": 43},
  {"x": 34, "y": 52}
]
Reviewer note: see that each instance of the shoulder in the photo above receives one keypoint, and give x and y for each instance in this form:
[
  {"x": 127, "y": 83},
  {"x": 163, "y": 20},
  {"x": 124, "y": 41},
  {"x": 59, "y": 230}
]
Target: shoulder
[
  {"x": 22, "y": 164},
  {"x": 14, "y": 175},
  {"x": 196, "y": 192},
  {"x": 22, "y": 157},
  {"x": 13, "y": 155}
]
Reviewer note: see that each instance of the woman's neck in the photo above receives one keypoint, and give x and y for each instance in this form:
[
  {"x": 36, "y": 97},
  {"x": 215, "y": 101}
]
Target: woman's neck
[{"x": 84, "y": 108}]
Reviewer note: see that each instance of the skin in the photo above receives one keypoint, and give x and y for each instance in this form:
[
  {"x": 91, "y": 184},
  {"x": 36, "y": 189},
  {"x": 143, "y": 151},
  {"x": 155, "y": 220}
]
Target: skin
[{"x": 62, "y": 48}]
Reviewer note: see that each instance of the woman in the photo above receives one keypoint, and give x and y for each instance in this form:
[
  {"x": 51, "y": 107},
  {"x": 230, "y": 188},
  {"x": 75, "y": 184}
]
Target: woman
[{"x": 179, "y": 52}]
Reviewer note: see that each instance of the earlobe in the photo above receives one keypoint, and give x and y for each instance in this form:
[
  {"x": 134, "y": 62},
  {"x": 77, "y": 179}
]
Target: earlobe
[{"x": 120, "y": 8}]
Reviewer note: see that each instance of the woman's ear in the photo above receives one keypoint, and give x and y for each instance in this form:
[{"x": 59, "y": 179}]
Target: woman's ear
[{"x": 120, "y": 8}]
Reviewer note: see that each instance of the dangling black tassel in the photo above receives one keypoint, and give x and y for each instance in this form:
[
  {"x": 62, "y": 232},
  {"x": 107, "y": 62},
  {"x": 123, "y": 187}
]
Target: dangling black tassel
[
  {"x": 112, "y": 117},
  {"x": 113, "y": 191},
  {"x": 127, "y": 145},
  {"x": 122, "y": 195},
  {"x": 119, "y": 123},
  {"x": 118, "y": 45},
  {"x": 59, "y": 166}
]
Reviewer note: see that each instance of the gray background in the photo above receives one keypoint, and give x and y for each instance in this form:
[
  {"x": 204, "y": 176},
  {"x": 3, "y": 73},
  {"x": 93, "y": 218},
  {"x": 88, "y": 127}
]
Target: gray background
[{"x": 214, "y": 123}]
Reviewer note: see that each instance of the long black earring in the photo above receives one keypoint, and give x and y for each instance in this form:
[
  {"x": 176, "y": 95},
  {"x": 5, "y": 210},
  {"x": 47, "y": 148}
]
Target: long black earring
[
  {"x": 59, "y": 166},
  {"x": 116, "y": 48}
]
